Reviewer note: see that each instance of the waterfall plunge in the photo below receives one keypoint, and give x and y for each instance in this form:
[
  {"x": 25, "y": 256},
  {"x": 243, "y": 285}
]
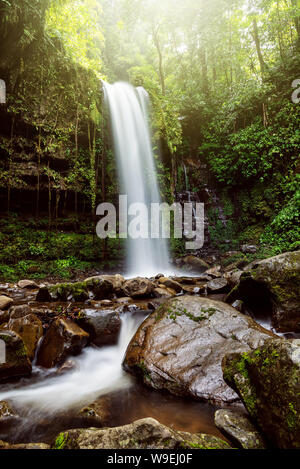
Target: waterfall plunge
[{"x": 128, "y": 109}]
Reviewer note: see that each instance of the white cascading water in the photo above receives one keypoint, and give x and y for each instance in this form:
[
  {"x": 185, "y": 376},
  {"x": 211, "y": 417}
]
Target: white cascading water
[
  {"x": 96, "y": 373},
  {"x": 128, "y": 108}
]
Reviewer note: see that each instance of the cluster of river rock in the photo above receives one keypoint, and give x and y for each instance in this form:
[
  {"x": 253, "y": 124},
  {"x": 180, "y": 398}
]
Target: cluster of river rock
[{"x": 200, "y": 340}]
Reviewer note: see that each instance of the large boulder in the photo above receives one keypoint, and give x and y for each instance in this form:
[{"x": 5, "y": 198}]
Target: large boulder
[
  {"x": 273, "y": 285},
  {"x": 181, "y": 345},
  {"x": 239, "y": 429},
  {"x": 103, "y": 326},
  {"x": 268, "y": 382},
  {"x": 142, "y": 434},
  {"x": 30, "y": 328},
  {"x": 63, "y": 338},
  {"x": 138, "y": 287},
  {"x": 16, "y": 363}
]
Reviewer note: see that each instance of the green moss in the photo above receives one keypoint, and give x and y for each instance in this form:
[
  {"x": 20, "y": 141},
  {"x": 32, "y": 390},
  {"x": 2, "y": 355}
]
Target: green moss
[
  {"x": 146, "y": 374},
  {"x": 292, "y": 417},
  {"x": 61, "y": 441}
]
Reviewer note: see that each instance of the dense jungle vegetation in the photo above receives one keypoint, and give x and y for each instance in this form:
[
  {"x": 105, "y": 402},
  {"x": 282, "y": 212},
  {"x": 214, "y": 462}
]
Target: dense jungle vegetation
[{"x": 224, "y": 82}]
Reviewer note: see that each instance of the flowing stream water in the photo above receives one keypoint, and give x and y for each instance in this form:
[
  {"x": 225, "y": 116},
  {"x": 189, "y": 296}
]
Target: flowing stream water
[{"x": 128, "y": 108}]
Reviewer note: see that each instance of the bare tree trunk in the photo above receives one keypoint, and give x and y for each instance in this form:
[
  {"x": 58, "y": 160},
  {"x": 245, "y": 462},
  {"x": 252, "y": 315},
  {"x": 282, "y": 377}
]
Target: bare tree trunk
[
  {"x": 160, "y": 58},
  {"x": 9, "y": 163},
  {"x": 76, "y": 158},
  {"x": 258, "y": 47}
]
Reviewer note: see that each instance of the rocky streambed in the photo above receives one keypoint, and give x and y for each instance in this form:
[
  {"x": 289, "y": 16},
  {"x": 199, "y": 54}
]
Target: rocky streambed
[{"x": 171, "y": 362}]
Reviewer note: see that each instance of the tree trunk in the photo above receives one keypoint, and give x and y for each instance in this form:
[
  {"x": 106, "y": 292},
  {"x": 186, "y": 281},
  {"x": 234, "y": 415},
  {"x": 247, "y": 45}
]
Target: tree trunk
[
  {"x": 160, "y": 59},
  {"x": 258, "y": 47}
]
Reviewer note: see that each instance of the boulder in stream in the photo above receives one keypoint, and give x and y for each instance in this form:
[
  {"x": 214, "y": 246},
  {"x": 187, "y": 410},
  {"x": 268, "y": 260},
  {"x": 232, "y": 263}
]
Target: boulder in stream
[
  {"x": 103, "y": 326},
  {"x": 268, "y": 382},
  {"x": 181, "y": 345},
  {"x": 138, "y": 287},
  {"x": 142, "y": 434},
  {"x": 30, "y": 328},
  {"x": 63, "y": 338},
  {"x": 273, "y": 285}
]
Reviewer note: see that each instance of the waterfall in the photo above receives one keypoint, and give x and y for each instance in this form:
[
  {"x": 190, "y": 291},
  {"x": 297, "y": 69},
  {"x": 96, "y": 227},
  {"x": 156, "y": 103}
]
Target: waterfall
[{"x": 128, "y": 108}]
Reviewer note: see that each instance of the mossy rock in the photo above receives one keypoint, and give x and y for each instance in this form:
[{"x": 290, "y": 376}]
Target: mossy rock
[
  {"x": 273, "y": 285},
  {"x": 268, "y": 382},
  {"x": 66, "y": 291},
  {"x": 16, "y": 362},
  {"x": 142, "y": 434}
]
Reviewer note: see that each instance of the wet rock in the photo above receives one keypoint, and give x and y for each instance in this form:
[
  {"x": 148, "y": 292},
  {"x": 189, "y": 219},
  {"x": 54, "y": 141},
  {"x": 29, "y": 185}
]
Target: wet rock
[
  {"x": 30, "y": 284},
  {"x": 197, "y": 264},
  {"x": 138, "y": 287},
  {"x": 238, "y": 428},
  {"x": 239, "y": 305},
  {"x": 181, "y": 345},
  {"x": 4, "y": 317},
  {"x": 123, "y": 300},
  {"x": 63, "y": 338},
  {"x": 77, "y": 291},
  {"x": 106, "y": 302},
  {"x": 6, "y": 411},
  {"x": 5, "y": 445},
  {"x": 98, "y": 411},
  {"x": 218, "y": 285},
  {"x": 162, "y": 292},
  {"x": 142, "y": 434},
  {"x": 169, "y": 283},
  {"x": 267, "y": 381},
  {"x": 273, "y": 283},
  {"x": 194, "y": 289},
  {"x": 102, "y": 288},
  {"x": 249, "y": 249},
  {"x": 69, "y": 365},
  {"x": 30, "y": 328},
  {"x": 103, "y": 326},
  {"x": 187, "y": 280},
  {"x": 233, "y": 277},
  {"x": 116, "y": 282},
  {"x": 19, "y": 311},
  {"x": 214, "y": 272},
  {"x": 5, "y": 302},
  {"x": 16, "y": 362},
  {"x": 43, "y": 295}
]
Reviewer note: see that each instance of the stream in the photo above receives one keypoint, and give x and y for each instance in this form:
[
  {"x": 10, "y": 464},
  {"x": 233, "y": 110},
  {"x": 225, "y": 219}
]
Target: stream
[{"x": 48, "y": 403}]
